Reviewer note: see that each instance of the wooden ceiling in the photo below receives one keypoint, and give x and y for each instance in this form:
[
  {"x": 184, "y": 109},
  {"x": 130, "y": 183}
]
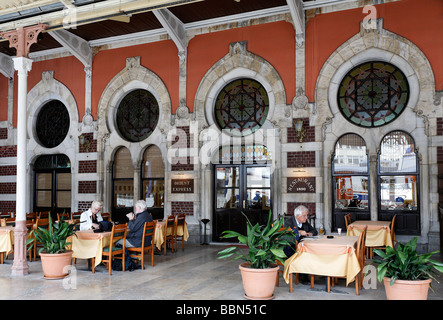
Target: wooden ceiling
[{"x": 186, "y": 11}]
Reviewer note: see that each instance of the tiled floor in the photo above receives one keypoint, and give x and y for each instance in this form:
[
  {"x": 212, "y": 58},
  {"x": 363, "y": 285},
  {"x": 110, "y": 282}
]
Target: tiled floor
[{"x": 194, "y": 274}]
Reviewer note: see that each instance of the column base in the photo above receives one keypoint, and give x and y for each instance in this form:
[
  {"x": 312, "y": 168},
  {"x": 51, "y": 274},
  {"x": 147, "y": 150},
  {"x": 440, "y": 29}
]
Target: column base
[{"x": 20, "y": 266}]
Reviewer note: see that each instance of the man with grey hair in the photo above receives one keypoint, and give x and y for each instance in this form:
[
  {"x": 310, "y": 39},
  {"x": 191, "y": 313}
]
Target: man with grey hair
[
  {"x": 136, "y": 224},
  {"x": 298, "y": 223},
  {"x": 90, "y": 218}
]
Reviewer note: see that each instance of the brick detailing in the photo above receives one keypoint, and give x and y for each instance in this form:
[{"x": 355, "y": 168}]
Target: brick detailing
[
  {"x": 293, "y": 205},
  {"x": 179, "y": 207},
  {"x": 439, "y": 154},
  {"x": 439, "y": 126},
  {"x": 309, "y": 134},
  {"x": 8, "y": 187},
  {"x": 301, "y": 159},
  {"x": 182, "y": 141},
  {"x": 88, "y": 166},
  {"x": 84, "y": 205},
  {"x": 8, "y": 151},
  {"x": 3, "y": 133},
  {"x": 7, "y": 206},
  {"x": 92, "y": 146},
  {"x": 87, "y": 186},
  {"x": 8, "y": 170}
]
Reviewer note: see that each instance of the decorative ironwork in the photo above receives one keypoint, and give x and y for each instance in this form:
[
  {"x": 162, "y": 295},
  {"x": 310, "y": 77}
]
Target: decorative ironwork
[
  {"x": 137, "y": 115},
  {"x": 243, "y": 154},
  {"x": 242, "y": 106},
  {"x": 52, "y": 124},
  {"x": 54, "y": 161},
  {"x": 373, "y": 94}
]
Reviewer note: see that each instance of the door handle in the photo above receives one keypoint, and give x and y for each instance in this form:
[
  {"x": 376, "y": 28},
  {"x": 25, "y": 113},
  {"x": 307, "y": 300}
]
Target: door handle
[{"x": 244, "y": 204}]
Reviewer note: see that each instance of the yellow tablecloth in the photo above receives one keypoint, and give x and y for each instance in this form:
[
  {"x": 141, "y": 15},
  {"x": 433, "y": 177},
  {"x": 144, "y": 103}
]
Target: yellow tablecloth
[
  {"x": 377, "y": 235},
  {"x": 160, "y": 231},
  {"x": 326, "y": 257},
  {"x": 6, "y": 239},
  {"x": 89, "y": 245}
]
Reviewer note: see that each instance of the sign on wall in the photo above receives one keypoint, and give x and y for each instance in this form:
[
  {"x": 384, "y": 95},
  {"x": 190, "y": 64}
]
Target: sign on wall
[
  {"x": 301, "y": 185},
  {"x": 182, "y": 185}
]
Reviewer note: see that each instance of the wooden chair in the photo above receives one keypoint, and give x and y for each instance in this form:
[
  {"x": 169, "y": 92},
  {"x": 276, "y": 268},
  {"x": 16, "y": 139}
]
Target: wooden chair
[
  {"x": 32, "y": 216},
  {"x": 180, "y": 221},
  {"x": 66, "y": 216},
  {"x": 347, "y": 220},
  {"x": 394, "y": 241},
  {"x": 112, "y": 252},
  {"x": 44, "y": 214},
  {"x": 147, "y": 245},
  {"x": 42, "y": 223},
  {"x": 360, "y": 251},
  {"x": 169, "y": 233},
  {"x": 30, "y": 225}
]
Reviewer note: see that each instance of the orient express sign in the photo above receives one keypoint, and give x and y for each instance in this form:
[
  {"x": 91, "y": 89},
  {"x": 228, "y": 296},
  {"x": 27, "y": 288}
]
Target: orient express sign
[
  {"x": 301, "y": 184},
  {"x": 182, "y": 185}
]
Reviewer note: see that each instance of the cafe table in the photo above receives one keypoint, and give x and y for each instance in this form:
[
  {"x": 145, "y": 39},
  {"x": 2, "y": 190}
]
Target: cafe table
[
  {"x": 89, "y": 245},
  {"x": 6, "y": 241},
  {"x": 331, "y": 257},
  {"x": 160, "y": 231},
  {"x": 378, "y": 233}
]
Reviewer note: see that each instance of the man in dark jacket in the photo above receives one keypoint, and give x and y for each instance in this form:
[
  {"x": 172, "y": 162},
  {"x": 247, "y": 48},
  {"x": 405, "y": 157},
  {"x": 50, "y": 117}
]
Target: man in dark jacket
[
  {"x": 136, "y": 224},
  {"x": 298, "y": 223}
]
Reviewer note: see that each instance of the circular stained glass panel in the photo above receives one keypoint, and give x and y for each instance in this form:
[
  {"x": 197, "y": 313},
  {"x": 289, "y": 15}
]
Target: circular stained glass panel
[
  {"x": 52, "y": 124},
  {"x": 242, "y": 106},
  {"x": 137, "y": 115},
  {"x": 373, "y": 94}
]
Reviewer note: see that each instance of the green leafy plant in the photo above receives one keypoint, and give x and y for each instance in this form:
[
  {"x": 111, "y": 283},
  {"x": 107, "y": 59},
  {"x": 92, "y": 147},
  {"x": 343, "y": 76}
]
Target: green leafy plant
[
  {"x": 53, "y": 239},
  {"x": 265, "y": 243},
  {"x": 404, "y": 263}
]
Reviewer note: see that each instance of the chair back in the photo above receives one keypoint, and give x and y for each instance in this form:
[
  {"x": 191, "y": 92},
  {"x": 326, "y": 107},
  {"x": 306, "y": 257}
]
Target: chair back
[
  {"x": 42, "y": 222},
  {"x": 118, "y": 232},
  {"x": 347, "y": 220},
  {"x": 148, "y": 231},
  {"x": 392, "y": 229},
  {"x": 106, "y": 216},
  {"x": 44, "y": 214},
  {"x": 170, "y": 226},
  {"x": 181, "y": 219},
  {"x": 31, "y": 215},
  {"x": 361, "y": 247}
]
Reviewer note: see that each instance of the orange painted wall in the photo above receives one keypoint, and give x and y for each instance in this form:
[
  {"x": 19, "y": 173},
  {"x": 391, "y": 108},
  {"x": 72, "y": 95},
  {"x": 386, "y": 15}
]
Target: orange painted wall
[
  {"x": 3, "y": 98},
  {"x": 416, "y": 20},
  {"x": 160, "y": 57},
  {"x": 274, "y": 42}
]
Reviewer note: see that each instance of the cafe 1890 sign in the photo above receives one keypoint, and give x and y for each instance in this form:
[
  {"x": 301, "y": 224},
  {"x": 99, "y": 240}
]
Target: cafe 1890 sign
[{"x": 301, "y": 184}]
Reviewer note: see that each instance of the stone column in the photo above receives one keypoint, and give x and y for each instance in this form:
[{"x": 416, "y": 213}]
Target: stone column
[{"x": 20, "y": 267}]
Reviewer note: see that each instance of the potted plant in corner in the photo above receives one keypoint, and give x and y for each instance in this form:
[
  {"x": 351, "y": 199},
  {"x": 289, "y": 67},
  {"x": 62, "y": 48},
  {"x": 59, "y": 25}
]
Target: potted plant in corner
[
  {"x": 406, "y": 274},
  {"x": 265, "y": 246},
  {"x": 53, "y": 254}
]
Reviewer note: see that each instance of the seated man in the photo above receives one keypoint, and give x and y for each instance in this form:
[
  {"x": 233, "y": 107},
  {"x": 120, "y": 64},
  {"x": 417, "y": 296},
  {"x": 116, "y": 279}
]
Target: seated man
[
  {"x": 136, "y": 224},
  {"x": 298, "y": 223}
]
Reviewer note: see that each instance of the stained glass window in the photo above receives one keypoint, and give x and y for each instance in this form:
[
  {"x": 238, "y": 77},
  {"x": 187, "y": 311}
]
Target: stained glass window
[
  {"x": 52, "y": 124},
  {"x": 373, "y": 94},
  {"x": 137, "y": 115},
  {"x": 242, "y": 106}
]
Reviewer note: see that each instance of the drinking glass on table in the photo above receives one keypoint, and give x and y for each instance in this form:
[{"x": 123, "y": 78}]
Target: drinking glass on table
[{"x": 339, "y": 231}]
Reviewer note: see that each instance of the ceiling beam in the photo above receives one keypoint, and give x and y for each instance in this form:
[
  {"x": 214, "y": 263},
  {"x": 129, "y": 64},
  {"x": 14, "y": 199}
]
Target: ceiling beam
[
  {"x": 79, "y": 47},
  {"x": 175, "y": 29},
  {"x": 6, "y": 66},
  {"x": 298, "y": 18}
]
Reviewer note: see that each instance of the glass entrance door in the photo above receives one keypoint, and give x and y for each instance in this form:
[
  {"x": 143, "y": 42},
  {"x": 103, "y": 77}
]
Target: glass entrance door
[{"x": 240, "y": 189}]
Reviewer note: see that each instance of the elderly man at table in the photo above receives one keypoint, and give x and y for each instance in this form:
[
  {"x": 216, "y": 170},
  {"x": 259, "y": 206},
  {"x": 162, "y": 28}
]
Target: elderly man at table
[
  {"x": 90, "y": 218},
  {"x": 136, "y": 224},
  {"x": 298, "y": 223}
]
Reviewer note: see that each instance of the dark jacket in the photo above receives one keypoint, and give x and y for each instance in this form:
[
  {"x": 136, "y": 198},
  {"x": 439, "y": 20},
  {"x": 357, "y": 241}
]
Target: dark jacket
[
  {"x": 292, "y": 223},
  {"x": 135, "y": 227}
]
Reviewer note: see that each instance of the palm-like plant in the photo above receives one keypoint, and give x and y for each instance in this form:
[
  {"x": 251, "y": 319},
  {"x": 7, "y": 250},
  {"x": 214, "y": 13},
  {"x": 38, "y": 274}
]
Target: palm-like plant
[
  {"x": 265, "y": 243},
  {"x": 53, "y": 239},
  {"x": 404, "y": 263}
]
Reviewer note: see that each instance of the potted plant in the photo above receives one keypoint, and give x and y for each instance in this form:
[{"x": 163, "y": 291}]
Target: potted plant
[
  {"x": 265, "y": 247},
  {"x": 55, "y": 257},
  {"x": 406, "y": 274}
]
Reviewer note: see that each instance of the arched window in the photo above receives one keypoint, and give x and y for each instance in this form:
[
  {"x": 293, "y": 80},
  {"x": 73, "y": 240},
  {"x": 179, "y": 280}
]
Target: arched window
[
  {"x": 241, "y": 107},
  {"x": 373, "y": 94},
  {"x": 350, "y": 176},
  {"x": 153, "y": 181},
  {"x": 123, "y": 184},
  {"x": 398, "y": 181},
  {"x": 137, "y": 115}
]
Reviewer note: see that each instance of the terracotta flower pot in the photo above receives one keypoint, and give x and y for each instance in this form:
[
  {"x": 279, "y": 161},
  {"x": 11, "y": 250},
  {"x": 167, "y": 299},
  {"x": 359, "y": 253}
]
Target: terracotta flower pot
[
  {"x": 407, "y": 289},
  {"x": 54, "y": 264},
  {"x": 259, "y": 284}
]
